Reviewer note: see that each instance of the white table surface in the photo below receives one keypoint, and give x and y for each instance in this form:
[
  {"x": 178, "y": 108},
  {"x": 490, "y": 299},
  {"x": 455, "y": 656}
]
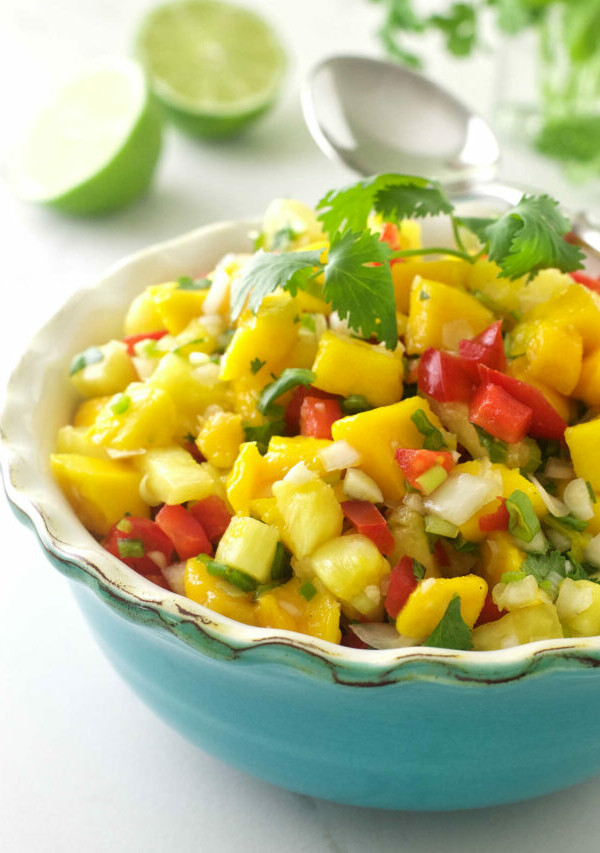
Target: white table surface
[{"x": 84, "y": 765}]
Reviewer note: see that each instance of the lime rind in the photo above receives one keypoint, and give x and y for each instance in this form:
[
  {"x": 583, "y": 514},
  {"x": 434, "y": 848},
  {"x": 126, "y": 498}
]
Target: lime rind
[
  {"x": 89, "y": 154},
  {"x": 213, "y": 66}
]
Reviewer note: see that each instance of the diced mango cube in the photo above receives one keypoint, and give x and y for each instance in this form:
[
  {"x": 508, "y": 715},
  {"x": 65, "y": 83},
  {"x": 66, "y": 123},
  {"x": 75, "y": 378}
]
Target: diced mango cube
[
  {"x": 176, "y": 305},
  {"x": 220, "y": 438},
  {"x": 575, "y": 306},
  {"x": 283, "y": 453},
  {"x": 286, "y": 608},
  {"x": 433, "y": 305},
  {"x": 498, "y": 555},
  {"x": 311, "y": 514},
  {"x": 427, "y": 604},
  {"x": 88, "y": 411},
  {"x": 101, "y": 491},
  {"x": 583, "y": 441},
  {"x": 554, "y": 354},
  {"x": 378, "y": 433},
  {"x": 148, "y": 419},
  {"x": 370, "y": 370},
  {"x": 451, "y": 271},
  {"x": 588, "y": 385},
  {"x": 250, "y": 478},
  {"x": 520, "y": 369},
  {"x": 525, "y": 625},
  {"x": 268, "y": 336},
  {"x": 217, "y": 594}
]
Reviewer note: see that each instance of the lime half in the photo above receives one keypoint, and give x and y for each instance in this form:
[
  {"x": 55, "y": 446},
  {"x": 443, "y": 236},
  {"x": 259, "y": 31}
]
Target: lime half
[
  {"x": 214, "y": 66},
  {"x": 95, "y": 146}
]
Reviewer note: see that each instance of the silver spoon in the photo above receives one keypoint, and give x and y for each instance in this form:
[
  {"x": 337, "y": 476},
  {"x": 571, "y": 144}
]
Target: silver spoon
[{"x": 377, "y": 116}]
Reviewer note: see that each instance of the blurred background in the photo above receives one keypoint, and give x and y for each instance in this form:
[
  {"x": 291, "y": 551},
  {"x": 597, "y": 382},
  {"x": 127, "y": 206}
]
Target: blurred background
[{"x": 84, "y": 766}]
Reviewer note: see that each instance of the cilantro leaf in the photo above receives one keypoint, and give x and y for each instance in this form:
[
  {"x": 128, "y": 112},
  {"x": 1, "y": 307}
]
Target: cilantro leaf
[
  {"x": 256, "y": 364},
  {"x": 528, "y": 237},
  {"x": 393, "y": 196},
  {"x": 266, "y": 272},
  {"x": 451, "y": 632},
  {"x": 459, "y": 27},
  {"x": 358, "y": 283}
]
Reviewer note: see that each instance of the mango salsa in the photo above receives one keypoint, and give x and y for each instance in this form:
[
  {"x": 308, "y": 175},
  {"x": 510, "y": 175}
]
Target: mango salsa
[{"x": 350, "y": 436}]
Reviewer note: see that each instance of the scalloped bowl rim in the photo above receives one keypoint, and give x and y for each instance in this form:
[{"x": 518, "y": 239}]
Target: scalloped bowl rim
[{"x": 33, "y": 492}]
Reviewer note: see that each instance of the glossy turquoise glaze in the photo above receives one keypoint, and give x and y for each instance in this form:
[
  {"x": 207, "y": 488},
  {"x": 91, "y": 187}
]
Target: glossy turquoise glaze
[
  {"x": 418, "y": 743},
  {"x": 412, "y": 728}
]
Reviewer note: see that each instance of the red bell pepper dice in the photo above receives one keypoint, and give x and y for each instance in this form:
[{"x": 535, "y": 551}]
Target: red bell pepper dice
[
  {"x": 489, "y": 611},
  {"x": 292, "y": 412},
  {"x": 213, "y": 515},
  {"x": 443, "y": 377},
  {"x": 351, "y": 641},
  {"x": 402, "y": 583},
  {"x": 390, "y": 235},
  {"x": 587, "y": 280},
  {"x": 317, "y": 416},
  {"x": 185, "y": 531},
  {"x": 485, "y": 348},
  {"x": 545, "y": 420},
  {"x": 142, "y": 545},
  {"x": 414, "y": 463},
  {"x": 500, "y": 414},
  {"x": 132, "y": 340},
  {"x": 369, "y": 521},
  {"x": 495, "y": 520},
  {"x": 441, "y": 555}
]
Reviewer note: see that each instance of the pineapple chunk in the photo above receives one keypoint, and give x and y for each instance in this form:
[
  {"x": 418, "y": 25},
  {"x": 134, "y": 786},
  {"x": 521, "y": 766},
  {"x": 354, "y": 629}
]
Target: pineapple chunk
[
  {"x": 432, "y": 306},
  {"x": 217, "y": 594},
  {"x": 408, "y": 529},
  {"x": 192, "y": 387},
  {"x": 172, "y": 476},
  {"x": 370, "y": 370},
  {"x": 352, "y": 568},
  {"x": 578, "y": 606},
  {"x": 143, "y": 315},
  {"x": 72, "y": 439},
  {"x": 248, "y": 545},
  {"x": 112, "y": 372},
  {"x": 101, "y": 491},
  {"x": 525, "y": 625},
  {"x": 148, "y": 419},
  {"x": 427, "y": 604},
  {"x": 291, "y": 218},
  {"x": 311, "y": 514},
  {"x": 285, "y": 607}
]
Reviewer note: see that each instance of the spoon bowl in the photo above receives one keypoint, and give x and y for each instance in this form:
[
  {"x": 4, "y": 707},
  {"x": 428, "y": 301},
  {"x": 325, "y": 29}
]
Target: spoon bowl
[{"x": 377, "y": 116}]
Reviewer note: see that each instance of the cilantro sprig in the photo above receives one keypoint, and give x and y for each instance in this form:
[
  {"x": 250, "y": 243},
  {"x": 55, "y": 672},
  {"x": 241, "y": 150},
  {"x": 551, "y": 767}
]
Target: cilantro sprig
[{"x": 356, "y": 279}]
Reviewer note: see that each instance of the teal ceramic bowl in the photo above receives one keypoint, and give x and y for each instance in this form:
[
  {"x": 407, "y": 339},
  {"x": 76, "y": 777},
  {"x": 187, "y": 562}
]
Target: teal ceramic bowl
[{"x": 411, "y": 728}]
